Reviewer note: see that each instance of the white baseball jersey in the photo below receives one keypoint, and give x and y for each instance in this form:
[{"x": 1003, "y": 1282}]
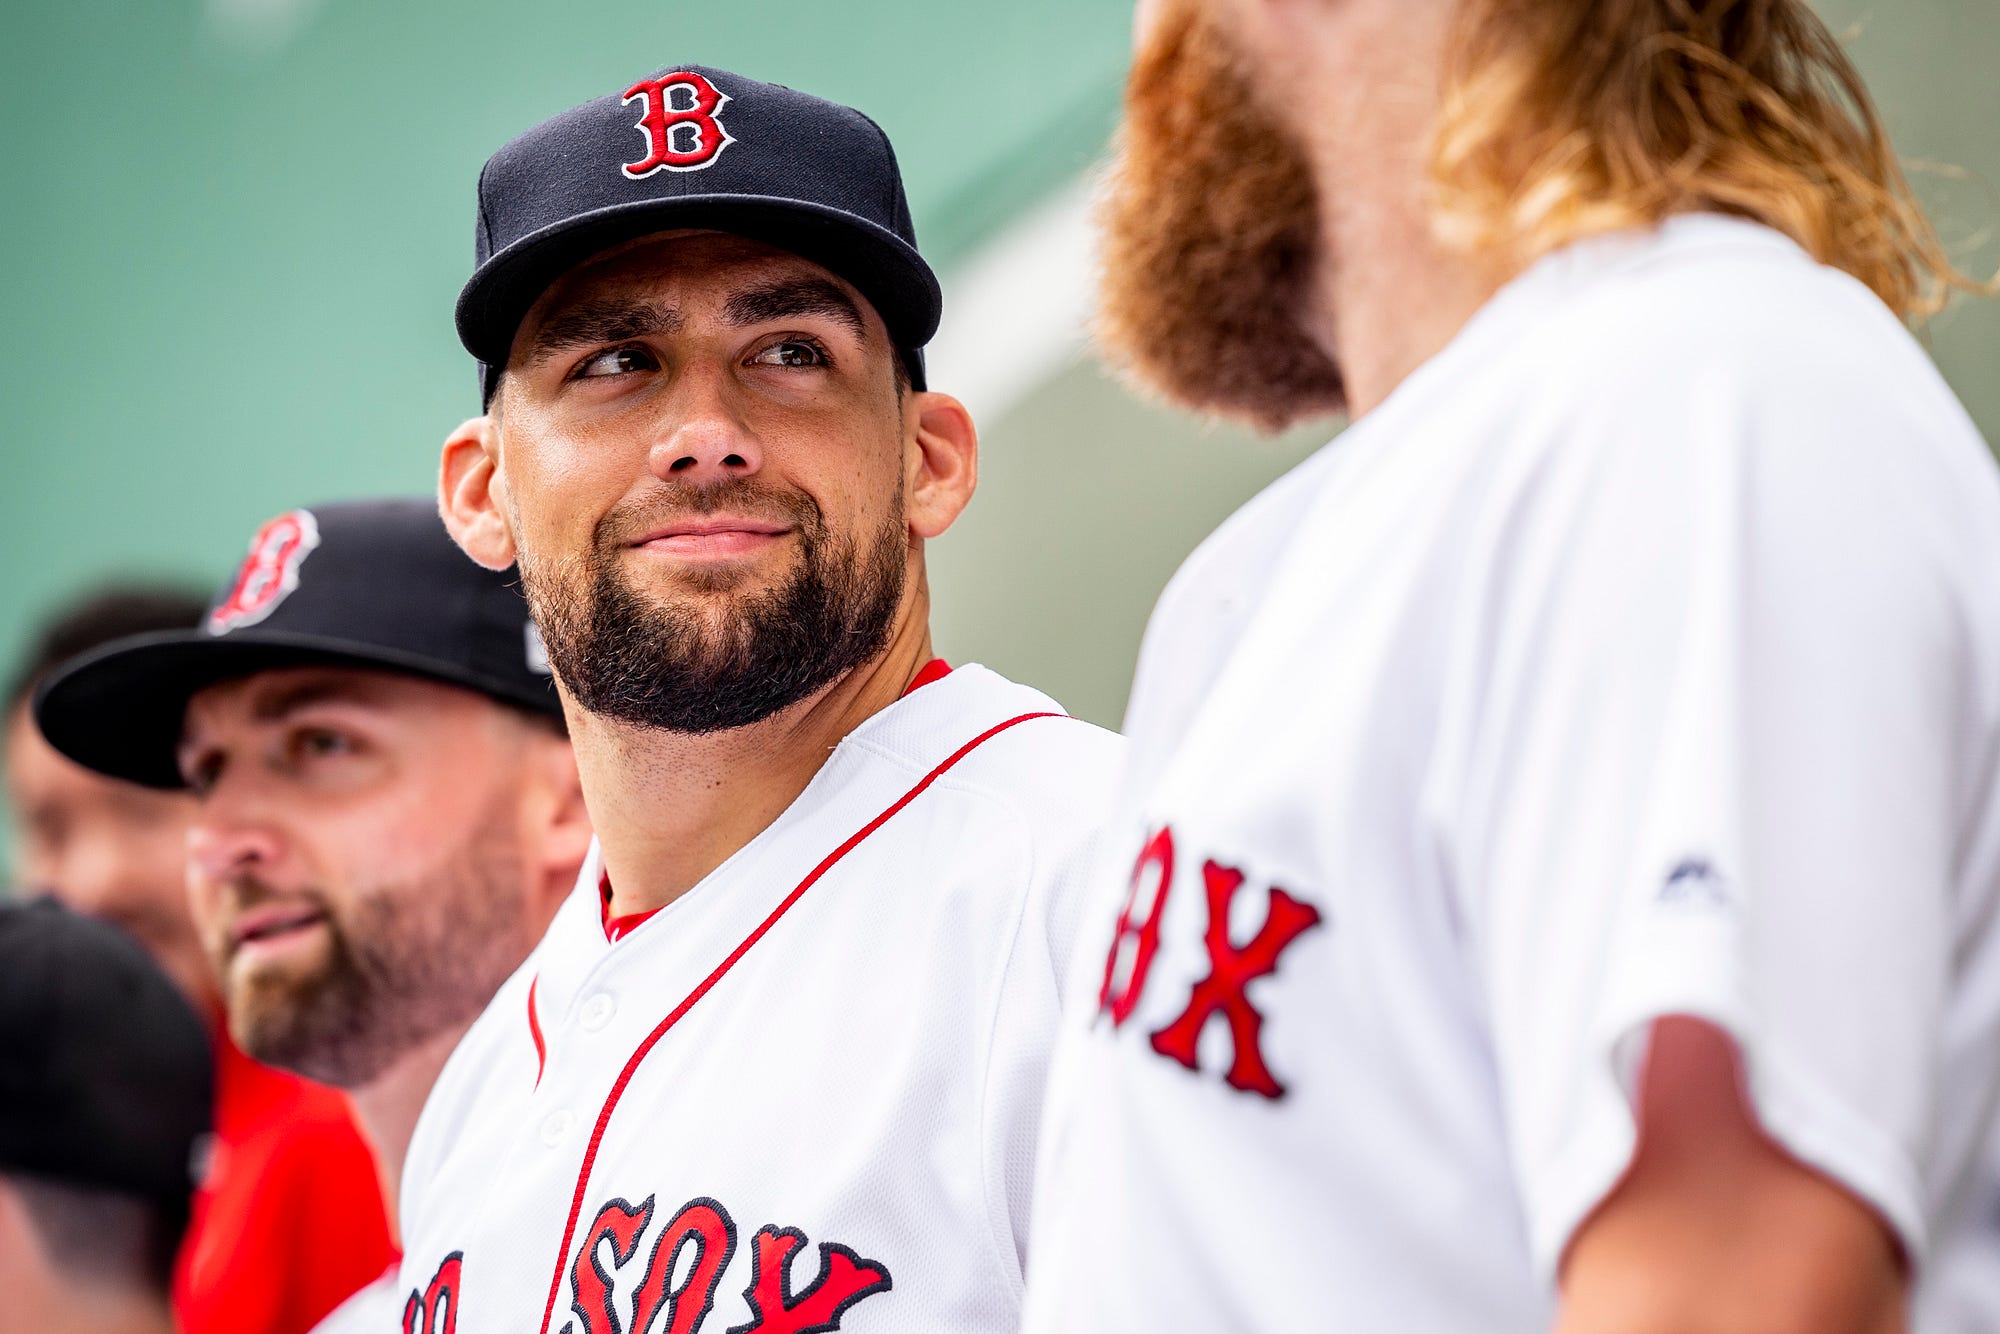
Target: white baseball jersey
[
  {"x": 803, "y": 1096},
  {"x": 1639, "y": 656}
]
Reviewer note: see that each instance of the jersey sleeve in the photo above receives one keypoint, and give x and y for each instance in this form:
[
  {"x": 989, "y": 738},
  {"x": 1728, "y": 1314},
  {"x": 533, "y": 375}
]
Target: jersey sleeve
[{"x": 1714, "y": 721}]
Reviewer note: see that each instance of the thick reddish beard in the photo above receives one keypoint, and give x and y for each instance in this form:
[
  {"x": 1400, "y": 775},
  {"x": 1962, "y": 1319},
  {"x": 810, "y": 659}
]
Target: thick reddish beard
[{"x": 1210, "y": 228}]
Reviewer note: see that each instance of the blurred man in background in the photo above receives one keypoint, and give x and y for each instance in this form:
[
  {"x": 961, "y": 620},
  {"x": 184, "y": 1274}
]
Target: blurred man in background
[
  {"x": 106, "y": 1104},
  {"x": 386, "y": 811},
  {"x": 112, "y": 850},
  {"x": 290, "y": 1218},
  {"x": 1561, "y": 854}
]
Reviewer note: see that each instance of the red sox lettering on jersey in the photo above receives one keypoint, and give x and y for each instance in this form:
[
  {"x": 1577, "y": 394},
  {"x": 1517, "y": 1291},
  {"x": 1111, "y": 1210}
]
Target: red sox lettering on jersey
[
  {"x": 1224, "y": 991},
  {"x": 680, "y": 115},
  {"x": 702, "y": 1231},
  {"x": 696, "y": 1243}
]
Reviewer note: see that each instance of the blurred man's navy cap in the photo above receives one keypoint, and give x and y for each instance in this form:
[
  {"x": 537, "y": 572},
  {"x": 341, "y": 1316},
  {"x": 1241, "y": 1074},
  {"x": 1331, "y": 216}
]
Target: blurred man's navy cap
[
  {"x": 696, "y": 147},
  {"x": 106, "y": 1075},
  {"x": 371, "y": 583}
]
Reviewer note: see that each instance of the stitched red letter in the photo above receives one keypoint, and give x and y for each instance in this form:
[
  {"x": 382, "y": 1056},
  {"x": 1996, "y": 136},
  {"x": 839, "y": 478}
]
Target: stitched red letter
[
  {"x": 705, "y": 1225},
  {"x": 678, "y": 138},
  {"x": 1120, "y": 999},
  {"x": 270, "y": 571},
  {"x": 590, "y": 1282},
  {"x": 1230, "y": 970},
  {"x": 844, "y": 1279},
  {"x": 420, "y": 1313}
]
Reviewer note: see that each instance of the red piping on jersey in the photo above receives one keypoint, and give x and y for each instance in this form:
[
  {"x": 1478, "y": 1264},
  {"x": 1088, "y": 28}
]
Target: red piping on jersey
[
  {"x": 617, "y": 928},
  {"x": 535, "y": 1031},
  {"x": 702, "y": 989}
]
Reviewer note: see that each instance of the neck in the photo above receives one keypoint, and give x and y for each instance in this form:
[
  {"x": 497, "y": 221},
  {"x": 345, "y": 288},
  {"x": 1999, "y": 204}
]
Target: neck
[
  {"x": 1387, "y": 294},
  {"x": 669, "y": 808},
  {"x": 387, "y": 1108}
]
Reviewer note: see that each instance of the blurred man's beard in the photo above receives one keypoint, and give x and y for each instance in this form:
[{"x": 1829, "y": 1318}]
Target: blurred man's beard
[
  {"x": 710, "y": 660},
  {"x": 1210, "y": 228},
  {"x": 403, "y": 964}
]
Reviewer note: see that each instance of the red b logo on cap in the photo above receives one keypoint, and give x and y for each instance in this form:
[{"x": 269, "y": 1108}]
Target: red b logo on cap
[
  {"x": 269, "y": 572},
  {"x": 679, "y": 138}
]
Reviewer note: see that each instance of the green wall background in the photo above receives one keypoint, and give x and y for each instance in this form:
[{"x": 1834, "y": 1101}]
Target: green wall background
[
  {"x": 233, "y": 239},
  {"x": 234, "y": 229}
]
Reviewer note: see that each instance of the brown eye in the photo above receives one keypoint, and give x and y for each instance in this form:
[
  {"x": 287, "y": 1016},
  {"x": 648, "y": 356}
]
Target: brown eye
[
  {"x": 616, "y": 361},
  {"x": 318, "y": 743},
  {"x": 792, "y": 352},
  {"x": 202, "y": 772}
]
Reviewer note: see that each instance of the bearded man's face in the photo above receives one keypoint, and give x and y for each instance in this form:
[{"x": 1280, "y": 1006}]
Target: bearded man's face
[
  {"x": 357, "y": 868},
  {"x": 701, "y": 445},
  {"x": 1210, "y": 229}
]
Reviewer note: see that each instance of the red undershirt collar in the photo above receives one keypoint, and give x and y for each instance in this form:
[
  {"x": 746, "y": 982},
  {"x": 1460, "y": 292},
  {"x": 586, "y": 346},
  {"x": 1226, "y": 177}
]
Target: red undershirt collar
[{"x": 617, "y": 928}]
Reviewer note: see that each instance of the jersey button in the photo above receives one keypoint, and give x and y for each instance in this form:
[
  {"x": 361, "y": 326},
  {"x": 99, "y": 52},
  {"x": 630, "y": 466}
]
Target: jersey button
[
  {"x": 597, "y": 1012},
  {"x": 556, "y": 1128}
]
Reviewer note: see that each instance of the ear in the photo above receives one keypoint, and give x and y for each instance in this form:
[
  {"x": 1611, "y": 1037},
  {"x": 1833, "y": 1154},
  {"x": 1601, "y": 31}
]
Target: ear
[
  {"x": 561, "y": 831},
  {"x": 471, "y": 493},
  {"x": 943, "y": 463}
]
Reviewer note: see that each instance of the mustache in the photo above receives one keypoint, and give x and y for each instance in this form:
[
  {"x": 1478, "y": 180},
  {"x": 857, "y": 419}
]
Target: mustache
[{"x": 631, "y": 520}]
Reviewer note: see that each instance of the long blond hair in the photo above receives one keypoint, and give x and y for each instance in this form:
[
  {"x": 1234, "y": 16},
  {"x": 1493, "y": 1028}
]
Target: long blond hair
[{"x": 1563, "y": 118}]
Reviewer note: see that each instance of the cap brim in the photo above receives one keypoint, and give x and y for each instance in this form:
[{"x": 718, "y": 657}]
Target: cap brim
[
  {"x": 885, "y": 268},
  {"x": 119, "y": 710}
]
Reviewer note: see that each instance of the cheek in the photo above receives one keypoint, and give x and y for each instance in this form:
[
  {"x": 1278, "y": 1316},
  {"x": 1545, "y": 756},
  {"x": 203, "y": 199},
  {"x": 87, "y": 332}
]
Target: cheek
[
  {"x": 857, "y": 486},
  {"x": 404, "y": 832},
  {"x": 558, "y": 485}
]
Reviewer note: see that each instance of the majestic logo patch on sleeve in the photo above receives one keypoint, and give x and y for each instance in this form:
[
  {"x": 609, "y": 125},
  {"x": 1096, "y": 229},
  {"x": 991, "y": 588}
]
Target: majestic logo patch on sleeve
[
  {"x": 681, "y": 116},
  {"x": 268, "y": 573},
  {"x": 1695, "y": 883}
]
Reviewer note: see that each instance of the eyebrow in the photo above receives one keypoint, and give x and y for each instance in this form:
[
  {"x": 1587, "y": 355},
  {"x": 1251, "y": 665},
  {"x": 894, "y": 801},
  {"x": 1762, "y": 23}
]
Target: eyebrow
[
  {"x": 615, "y": 320},
  {"x": 280, "y": 704},
  {"x": 595, "y": 323},
  {"x": 786, "y": 298}
]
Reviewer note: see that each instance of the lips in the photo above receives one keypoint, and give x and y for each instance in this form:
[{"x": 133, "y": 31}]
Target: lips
[
  {"x": 713, "y": 535},
  {"x": 714, "y": 525},
  {"x": 272, "y": 921}
]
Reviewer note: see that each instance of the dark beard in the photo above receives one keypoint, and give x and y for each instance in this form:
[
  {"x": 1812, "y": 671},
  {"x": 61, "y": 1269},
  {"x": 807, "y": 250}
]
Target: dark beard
[
  {"x": 699, "y": 669},
  {"x": 1210, "y": 230},
  {"x": 406, "y": 963}
]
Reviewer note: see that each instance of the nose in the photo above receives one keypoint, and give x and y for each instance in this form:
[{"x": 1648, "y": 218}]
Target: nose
[
  {"x": 707, "y": 441},
  {"x": 227, "y": 840}
]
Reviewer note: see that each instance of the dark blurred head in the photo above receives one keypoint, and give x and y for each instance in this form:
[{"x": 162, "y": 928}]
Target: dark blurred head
[
  {"x": 106, "y": 848},
  {"x": 106, "y": 1106},
  {"x": 72, "y": 1255}
]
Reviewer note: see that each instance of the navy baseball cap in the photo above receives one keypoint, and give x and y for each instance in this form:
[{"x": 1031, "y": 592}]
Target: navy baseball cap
[
  {"x": 371, "y": 583},
  {"x": 106, "y": 1074},
  {"x": 697, "y": 147}
]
